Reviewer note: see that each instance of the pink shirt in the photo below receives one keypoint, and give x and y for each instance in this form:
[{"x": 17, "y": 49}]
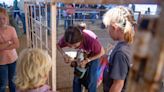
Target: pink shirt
[
  {"x": 70, "y": 10},
  {"x": 8, "y": 56}
]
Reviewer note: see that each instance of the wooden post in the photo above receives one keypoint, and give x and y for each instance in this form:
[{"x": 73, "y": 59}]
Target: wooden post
[
  {"x": 27, "y": 30},
  {"x": 53, "y": 30},
  {"x": 46, "y": 33},
  {"x": 160, "y": 34},
  {"x": 40, "y": 29}
]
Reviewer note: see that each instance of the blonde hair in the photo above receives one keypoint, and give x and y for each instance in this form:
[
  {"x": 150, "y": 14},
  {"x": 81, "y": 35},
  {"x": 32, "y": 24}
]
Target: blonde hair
[
  {"x": 33, "y": 67},
  {"x": 4, "y": 12},
  {"x": 123, "y": 18},
  {"x": 84, "y": 25}
]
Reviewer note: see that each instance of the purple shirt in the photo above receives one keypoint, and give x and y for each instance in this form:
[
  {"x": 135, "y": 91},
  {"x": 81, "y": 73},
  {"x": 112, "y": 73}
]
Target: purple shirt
[
  {"x": 89, "y": 44},
  {"x": 44, "y": 88}
]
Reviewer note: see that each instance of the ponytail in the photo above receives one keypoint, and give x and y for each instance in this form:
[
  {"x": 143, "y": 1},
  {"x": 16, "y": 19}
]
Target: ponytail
[
  {"x": 128, "y": 32},
  {"x": 124, "y": 19}
]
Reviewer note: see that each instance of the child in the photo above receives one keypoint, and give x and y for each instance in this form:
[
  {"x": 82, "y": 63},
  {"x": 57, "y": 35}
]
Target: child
[
  {"x": 77, "y": 39},
  {"x": 120, "y": 23},
  {"x": 32, "y": 71},
  {"x": 83, "y": 27},
  {"x": 8, "y": 55}
]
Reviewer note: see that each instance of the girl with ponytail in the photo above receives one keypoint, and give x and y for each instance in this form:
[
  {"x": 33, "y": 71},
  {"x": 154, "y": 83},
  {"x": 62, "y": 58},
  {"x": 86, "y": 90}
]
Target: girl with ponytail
[
  {"x": 120, "y": 25},
  {"x": 76, "y": 38}
]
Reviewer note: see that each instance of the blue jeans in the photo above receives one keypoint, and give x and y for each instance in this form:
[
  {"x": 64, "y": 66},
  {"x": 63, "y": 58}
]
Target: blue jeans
[
  {"x": 22, "y": 18},
  {"x": 91, "y": 79},
  {"x": 7, "y": 74},
  {"x": 24, "y": 22},
  {"x": 17, "y": 13},
  {"x": 68, "y": 21},
  {"x": 49, "y": 22},
  {"x": 93, "y": 17}
]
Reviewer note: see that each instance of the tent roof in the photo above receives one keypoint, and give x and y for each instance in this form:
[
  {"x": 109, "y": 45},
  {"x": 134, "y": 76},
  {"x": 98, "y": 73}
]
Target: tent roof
[{"x": 100, "y": 1}]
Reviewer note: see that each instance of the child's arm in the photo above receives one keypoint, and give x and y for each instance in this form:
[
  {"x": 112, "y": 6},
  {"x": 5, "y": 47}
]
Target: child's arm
[
  {"x": 102, "y": 52},
  {"x": 60, "y": 50},
  {"x": 14, "y": 42},
  {"x": 4, "y": 45},
  {"x": 67, "y": 58},
  {"x": 89, "y": 59},
  {"x": 117, "y": 86}
]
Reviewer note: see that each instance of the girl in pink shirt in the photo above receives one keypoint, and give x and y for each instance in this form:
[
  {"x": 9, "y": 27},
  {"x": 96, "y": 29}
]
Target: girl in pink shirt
[{"x": 8, "y": 55}]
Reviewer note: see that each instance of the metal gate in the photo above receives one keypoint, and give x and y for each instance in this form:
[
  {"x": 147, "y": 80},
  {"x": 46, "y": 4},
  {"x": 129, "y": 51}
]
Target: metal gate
[{"x": 41, "y": 31}]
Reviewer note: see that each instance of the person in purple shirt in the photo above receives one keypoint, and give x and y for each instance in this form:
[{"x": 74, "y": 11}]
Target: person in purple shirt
[{"x": 77, "y": 39}]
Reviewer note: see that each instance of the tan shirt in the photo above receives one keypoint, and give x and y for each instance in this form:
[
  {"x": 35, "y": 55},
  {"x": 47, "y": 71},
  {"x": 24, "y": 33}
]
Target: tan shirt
[{"x": 7, "y": 56}]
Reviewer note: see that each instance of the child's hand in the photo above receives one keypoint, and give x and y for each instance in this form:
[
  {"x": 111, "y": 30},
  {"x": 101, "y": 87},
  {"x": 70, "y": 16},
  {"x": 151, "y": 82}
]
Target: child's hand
[
  {"x": 10, "y": 42},
  {"x": 73, "y": 64},
  {"x": 67, "y": 58}
]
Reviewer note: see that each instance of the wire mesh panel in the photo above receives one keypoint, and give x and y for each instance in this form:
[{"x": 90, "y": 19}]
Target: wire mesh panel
[
  {"x": 38, "y": 28},
  {"x": 40, "y": 34}
]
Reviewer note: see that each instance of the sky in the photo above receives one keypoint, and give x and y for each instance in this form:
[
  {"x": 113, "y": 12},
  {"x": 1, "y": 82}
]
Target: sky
[
  {"x": 8, "y": 2},
  {"x": 143, "y": 8}
]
